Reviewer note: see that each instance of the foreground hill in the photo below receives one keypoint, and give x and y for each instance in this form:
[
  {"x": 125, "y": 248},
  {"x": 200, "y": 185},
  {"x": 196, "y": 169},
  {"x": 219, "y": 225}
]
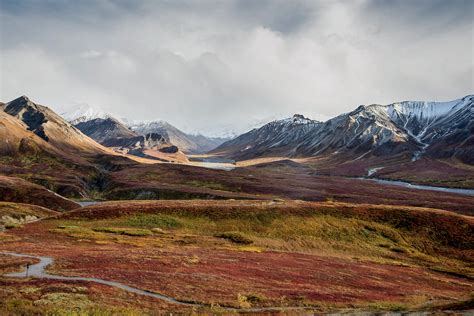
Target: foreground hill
[
  {"x": 408, "y": 130},
  {"x": 21, "y": 191},
  {"x": 13, "y": 214},
  {"x": 247, "y": 256}
]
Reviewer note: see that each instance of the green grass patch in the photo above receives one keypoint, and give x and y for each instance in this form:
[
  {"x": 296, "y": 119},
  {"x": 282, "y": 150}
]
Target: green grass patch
[
  {"x": 388, "y": 306},
  {"x": 153, "y": 220}
]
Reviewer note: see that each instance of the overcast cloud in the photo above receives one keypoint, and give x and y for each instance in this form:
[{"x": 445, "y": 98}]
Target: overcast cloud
[{"x": 219, "y": 66}]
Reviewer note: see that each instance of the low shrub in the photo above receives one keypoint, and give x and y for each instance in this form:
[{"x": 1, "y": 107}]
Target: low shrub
[
  {"x": 235, "y": 237},
  {"x": 123, "y": 231},
  {"x": 398, "y": 249},
  {"x": 255, "y": 298},
  {"x": 246, "y": 301},
  {"x": 11, "y": 225}
]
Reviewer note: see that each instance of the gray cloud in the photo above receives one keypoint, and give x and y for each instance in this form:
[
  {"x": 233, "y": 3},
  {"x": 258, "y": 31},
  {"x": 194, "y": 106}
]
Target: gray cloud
[{"x": 213, "y": 66}]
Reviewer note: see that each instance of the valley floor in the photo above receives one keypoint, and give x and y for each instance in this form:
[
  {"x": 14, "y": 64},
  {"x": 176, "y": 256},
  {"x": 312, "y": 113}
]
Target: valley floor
[{"x": 231, "y": 256}]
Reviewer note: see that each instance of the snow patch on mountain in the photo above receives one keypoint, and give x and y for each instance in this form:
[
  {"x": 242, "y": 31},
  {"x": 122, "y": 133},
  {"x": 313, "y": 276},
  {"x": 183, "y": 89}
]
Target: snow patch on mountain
[
  {"x": 423, "y": 109},
  {"x": 297, "y": 119},
  {"x": 145, "y": 124},
  {"x": 84, "y": 112},
  {"x": 188, "y": 143}
]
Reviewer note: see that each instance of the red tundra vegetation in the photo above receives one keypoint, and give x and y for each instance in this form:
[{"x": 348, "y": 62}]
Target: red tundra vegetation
[{"x": 258, "y": 254}]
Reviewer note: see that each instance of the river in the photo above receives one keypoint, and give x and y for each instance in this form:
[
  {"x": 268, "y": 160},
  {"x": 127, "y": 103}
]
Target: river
[
  {"x": 469, "y": 192},
  {"x": 212, "y": 163},
  {"x": 87, "y": 203}
]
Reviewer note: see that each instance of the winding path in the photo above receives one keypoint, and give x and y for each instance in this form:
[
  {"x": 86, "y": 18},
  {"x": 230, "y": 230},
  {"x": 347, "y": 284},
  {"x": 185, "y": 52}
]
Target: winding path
[{"x": 37, "y": 270}]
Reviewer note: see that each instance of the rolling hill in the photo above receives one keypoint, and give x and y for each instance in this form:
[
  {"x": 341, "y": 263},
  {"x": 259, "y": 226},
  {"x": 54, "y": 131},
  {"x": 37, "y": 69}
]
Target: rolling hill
[{"x": 21, "y": 191}]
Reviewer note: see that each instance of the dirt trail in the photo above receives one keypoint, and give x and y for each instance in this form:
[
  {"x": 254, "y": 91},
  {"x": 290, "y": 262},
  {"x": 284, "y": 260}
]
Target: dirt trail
[{"x": 38, "y": 271}]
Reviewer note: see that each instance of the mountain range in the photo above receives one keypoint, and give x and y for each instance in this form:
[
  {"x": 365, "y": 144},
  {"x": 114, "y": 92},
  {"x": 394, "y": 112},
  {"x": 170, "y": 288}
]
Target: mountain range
[
  {"x": 407, "y": 129},
  {"x": 421, "y": 142},
  {"x": 102, "y": 127},
  {"x": 403, "y": 131},
  {"x": 188, "y": 143}
]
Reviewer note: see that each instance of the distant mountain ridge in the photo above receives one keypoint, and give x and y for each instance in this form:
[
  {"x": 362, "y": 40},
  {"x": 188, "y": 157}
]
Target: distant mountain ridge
[
  {"x": 101, "y": 126},
  {"x": 188, "y": 143},
  {"x": 411, "y": 127},
  {"x": 84, "y": 113},
  {"x": 275, "y": 138},
  {"x": 103, "y": 129},
  {"x": 113, "y": 133}
]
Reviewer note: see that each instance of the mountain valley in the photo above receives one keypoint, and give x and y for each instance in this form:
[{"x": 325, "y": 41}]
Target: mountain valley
[{"x": 111, "y": 200}]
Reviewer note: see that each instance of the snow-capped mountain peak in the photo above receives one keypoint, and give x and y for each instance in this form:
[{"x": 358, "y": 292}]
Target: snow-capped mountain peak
[
  {"x": 401, "y": 128},
  {"x": 188, "y": 143},
  {"x": 297, "y": 119},
  {"x": 416, "y": 117},
  {"x": 144, "y": 123},
  {"x": 83, "y": 113},
  {"x": 423, "y": 109}
]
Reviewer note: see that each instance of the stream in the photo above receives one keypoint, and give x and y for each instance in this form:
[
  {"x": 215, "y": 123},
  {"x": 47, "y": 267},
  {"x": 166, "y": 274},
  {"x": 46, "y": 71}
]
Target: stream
[
  {"x": 87, "y": 203},
  {"x": 372, "y": 171},
  {"x": 212, "y": 163},
  {"x": 469, "y": 192}
]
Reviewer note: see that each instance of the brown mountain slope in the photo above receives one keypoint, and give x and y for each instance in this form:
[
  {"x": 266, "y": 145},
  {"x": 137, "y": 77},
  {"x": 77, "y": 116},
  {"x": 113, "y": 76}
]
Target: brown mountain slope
[
  {"x": 17, "y": 139},
  {"x": 26, "y": 155},
  {"x": 52, "y": 128},
  {"x": 68, "y": 140},
  {"x": 38, "y": 145}
]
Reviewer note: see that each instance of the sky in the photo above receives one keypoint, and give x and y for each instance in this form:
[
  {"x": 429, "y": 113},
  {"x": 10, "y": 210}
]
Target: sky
[{"x": 221, "y": 67}]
